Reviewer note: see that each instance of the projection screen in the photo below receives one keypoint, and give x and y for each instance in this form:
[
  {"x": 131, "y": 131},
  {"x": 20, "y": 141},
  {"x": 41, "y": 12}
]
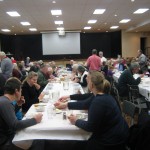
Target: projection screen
[{"x": 55, "y": 44}]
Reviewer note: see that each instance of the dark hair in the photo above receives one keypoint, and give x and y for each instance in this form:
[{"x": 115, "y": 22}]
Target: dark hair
[
  {"x": 11, "y": 85},
  {"x": 99, "y": 81},
  {"x": 94, "y": 51},
  {"x": 81, "y": 69}
]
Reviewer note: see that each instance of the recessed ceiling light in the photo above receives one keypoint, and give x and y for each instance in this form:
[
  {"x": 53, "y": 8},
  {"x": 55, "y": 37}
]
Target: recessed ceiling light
[
  {"x": 92, "y": 21},
  {"x": 5, "y": 30},
  {"x": 87, "y": 28},
  {"x": 53, "y": 2},
  {"x": 15, "y": 34},
  {"x": 56, "y": 12},
  {"x": 25, "y": 23},
  {"x": 115, "y": 15},
  {"x": 32, "y": 29},
  {"x": 125, "y": 20},
  {"x": 106, "y": 31},
  {"x": 132, "y": 0},
  {"x": 114, "y": 27},
  {"x": 1, "y": 0},
  {"x": 58, "y": 22},
  {"x": 99, "y": 11},
  {"x": 60, "y": 28},
  {"x": 13, "y": 13},
  {"x": 141, "y": 11}
]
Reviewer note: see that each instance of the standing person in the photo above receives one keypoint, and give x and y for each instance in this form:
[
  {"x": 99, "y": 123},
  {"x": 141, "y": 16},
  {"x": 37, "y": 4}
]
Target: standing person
[
  {"x": 9, "y": 124},
  {"x": 102, "y": 57},
  {"x": 142, "y": 60},
  {"x": 105, "y": 121},
  {"x": 6, "y": 65},
  {"x": 27, "y": 61},
  {"x": 93, "y": 62},
  {"x": 30, "y": 90}
]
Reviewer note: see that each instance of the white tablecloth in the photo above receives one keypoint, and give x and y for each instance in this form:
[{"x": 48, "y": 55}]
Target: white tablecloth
[{"x": 51, "y": 127}]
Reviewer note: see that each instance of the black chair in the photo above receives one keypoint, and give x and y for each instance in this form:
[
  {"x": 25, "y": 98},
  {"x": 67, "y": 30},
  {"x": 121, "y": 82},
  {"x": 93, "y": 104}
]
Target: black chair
[
  {"x": 136, "y": 98},
  {"x": 128, "y": 108}
]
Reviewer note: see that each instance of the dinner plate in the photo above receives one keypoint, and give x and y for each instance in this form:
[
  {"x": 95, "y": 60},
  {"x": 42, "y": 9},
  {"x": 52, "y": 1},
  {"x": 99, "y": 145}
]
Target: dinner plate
[{"x": 58, "y": 111}]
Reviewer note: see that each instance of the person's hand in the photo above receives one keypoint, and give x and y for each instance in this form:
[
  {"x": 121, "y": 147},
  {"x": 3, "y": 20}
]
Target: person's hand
[
  {"x": 64, "y": 98},
  {"x": 72, "y": 118},
  {"x": 21, "y": 101},
  {"x": 61, "y": 105},
  {"x": 141, "y": 75},
  {"x": 38, "y": 117},
  {"x": 41, "y": 96},
  {"x": 37, "y": 86},
  {"x": 76, "y": 79}
]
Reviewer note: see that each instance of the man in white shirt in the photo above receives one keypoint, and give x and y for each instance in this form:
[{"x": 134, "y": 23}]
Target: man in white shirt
[{"x": 102, "y": 57}]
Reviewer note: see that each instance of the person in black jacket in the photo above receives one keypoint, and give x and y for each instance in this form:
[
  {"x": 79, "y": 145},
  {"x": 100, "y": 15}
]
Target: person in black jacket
[
  {"x": 2, "y": 83},
  {"x": 109, "y": 129},
  {"x": 30, "y": 90},
  {"x": 127, "y": 78}
]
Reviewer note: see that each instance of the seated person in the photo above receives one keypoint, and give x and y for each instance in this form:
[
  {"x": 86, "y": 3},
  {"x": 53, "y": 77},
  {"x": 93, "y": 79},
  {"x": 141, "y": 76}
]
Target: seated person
[
  {"x": 127, "y": 78},
  {"x": 105, "y": 121},
  {"x": 121, "y": 66},
  {"x": 9, "y": 123},
  {"x": 30, "y": 90},
  {"x": 2, "y": 83},
  {"x": 81, "y": 79},
  {"x": 19, "y": 114},
  {"x": 43, "y": 77}
]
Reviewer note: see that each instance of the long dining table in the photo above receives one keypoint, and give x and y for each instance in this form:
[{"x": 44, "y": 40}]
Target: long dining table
[{"x": 54, "y": 125}]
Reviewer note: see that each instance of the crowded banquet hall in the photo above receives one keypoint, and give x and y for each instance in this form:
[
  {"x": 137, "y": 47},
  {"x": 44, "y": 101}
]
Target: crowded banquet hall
[{"x": 74, "y": 74}]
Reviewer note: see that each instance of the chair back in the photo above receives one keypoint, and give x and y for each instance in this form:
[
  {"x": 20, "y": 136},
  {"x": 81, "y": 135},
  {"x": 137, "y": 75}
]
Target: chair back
[
  {"x": 128, "y": 108},
  {"x": 133, "y": 92}
]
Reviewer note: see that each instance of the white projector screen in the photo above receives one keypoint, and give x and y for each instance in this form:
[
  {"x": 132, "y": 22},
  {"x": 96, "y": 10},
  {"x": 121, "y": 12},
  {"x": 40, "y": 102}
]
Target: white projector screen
[{"x": 54, "y": 44}]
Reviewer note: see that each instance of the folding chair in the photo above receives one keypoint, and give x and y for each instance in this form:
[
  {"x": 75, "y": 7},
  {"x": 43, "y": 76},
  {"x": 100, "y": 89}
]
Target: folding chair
[{"x": 128, "y": 108}]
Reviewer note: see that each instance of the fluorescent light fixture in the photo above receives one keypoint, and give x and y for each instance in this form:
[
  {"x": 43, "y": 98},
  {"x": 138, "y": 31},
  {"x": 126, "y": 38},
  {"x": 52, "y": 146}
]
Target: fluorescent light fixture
[
  {"x": 99, "y": 11},
  {"x": 125, "y": 20},
  {"x": 58, "y": 22},
  {"x": 13, "y": 13},
  {"x": 114, "y": 27},
  {"x": 5, "y": 30},
  {"x": 92, "y": 21},
  {"x": 25, "y": 23},
  {"x": 141, "y": 10},
  {"x": 87, "y": 28},
  {"x": 32, "y": 29},
  {"x": 60, "y": 28},
  {"x": 56, "y": 12}
]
